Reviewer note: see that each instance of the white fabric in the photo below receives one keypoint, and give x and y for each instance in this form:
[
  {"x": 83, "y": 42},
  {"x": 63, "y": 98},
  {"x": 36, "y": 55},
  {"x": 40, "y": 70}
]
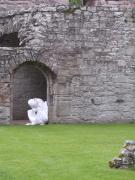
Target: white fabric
[{"x": 39, "y": 112}]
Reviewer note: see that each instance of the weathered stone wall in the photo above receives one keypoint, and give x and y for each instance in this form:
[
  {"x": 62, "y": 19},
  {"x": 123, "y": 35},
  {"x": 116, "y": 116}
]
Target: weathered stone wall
[
  {"x": 19, "y": 4},
  {"x": 89, "y": 58}
]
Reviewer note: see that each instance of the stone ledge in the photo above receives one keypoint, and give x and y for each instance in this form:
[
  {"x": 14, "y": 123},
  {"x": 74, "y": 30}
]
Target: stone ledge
[{"x": 70, "y": 9}]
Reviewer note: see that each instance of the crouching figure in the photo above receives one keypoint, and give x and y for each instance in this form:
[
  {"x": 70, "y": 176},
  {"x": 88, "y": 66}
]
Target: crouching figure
[{"x": 38, "y": 114}]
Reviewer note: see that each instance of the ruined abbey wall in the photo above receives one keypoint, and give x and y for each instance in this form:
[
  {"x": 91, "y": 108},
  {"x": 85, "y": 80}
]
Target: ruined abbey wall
[
  {"x": 88, "y": 54},
  {"x": 24, "y": 4}
]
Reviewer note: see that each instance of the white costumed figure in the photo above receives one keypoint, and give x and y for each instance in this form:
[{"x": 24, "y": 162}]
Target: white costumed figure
[{"x": 39, "y": 112}]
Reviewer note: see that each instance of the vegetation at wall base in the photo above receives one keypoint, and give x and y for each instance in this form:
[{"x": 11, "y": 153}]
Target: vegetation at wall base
[
  {"x": 75, "y": 2},
  {"x": 63, "y": 152}
]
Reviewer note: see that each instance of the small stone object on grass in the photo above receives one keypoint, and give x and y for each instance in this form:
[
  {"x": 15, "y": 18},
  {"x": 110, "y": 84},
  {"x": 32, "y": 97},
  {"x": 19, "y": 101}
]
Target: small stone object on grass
[{"x": 126, "y": 158}]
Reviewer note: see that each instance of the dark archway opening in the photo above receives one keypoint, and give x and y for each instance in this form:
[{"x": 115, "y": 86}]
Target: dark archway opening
[
  {"x": 28, "y": 82},
  {"x": 10, "y": 40}
]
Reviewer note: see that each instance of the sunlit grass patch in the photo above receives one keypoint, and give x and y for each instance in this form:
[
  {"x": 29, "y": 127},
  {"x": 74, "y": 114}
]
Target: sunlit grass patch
[{"x": 63, "y": 152}]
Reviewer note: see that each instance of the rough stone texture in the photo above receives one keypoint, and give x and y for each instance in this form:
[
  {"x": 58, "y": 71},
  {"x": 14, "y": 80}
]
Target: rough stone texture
[
  {"x": 19, "y": 4},
  {"x": 108, "y": 2},
  {"x": 86, "y": 54},
  {"x": 126, "y": 158}
]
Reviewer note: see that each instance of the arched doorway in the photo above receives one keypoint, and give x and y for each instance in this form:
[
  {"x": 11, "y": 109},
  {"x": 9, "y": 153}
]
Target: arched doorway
[{"x": 29, "y": 81}]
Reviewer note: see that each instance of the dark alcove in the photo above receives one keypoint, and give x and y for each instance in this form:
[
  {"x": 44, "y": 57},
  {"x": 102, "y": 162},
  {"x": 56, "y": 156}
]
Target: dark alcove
[
  {"x": 10, "y": 40},
  {"x": 28, "y": 82}
]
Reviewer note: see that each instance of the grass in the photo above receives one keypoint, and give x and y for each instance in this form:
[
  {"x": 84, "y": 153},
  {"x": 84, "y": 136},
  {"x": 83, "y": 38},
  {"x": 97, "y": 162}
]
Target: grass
[{"x": 63, "y": 152}]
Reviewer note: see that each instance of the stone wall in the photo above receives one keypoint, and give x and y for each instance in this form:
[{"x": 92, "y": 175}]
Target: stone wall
[
  {"x": 89, "y": 57},
  {"x": 19, "y": 4}
]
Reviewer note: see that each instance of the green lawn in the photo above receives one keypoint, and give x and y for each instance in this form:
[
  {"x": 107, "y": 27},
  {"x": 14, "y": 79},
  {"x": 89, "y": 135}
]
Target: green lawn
[{"x": 63, "y": 152}]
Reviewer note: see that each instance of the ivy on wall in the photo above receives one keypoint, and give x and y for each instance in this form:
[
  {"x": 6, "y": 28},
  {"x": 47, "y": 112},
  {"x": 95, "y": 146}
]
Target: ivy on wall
[{"x": 75, "y": 2}]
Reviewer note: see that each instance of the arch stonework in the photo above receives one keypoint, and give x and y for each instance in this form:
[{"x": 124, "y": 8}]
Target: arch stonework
[
  {"x": 45, "y": 70},
  {"x": 12, "y": 61},
  {"x": 29, "y": 55}
]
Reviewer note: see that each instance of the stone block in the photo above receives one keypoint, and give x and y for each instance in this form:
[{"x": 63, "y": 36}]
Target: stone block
[
  {"x": 5, "y": 114},
  {"x": 130, "y": 51},
  {"x": 64, "y": 108}
]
